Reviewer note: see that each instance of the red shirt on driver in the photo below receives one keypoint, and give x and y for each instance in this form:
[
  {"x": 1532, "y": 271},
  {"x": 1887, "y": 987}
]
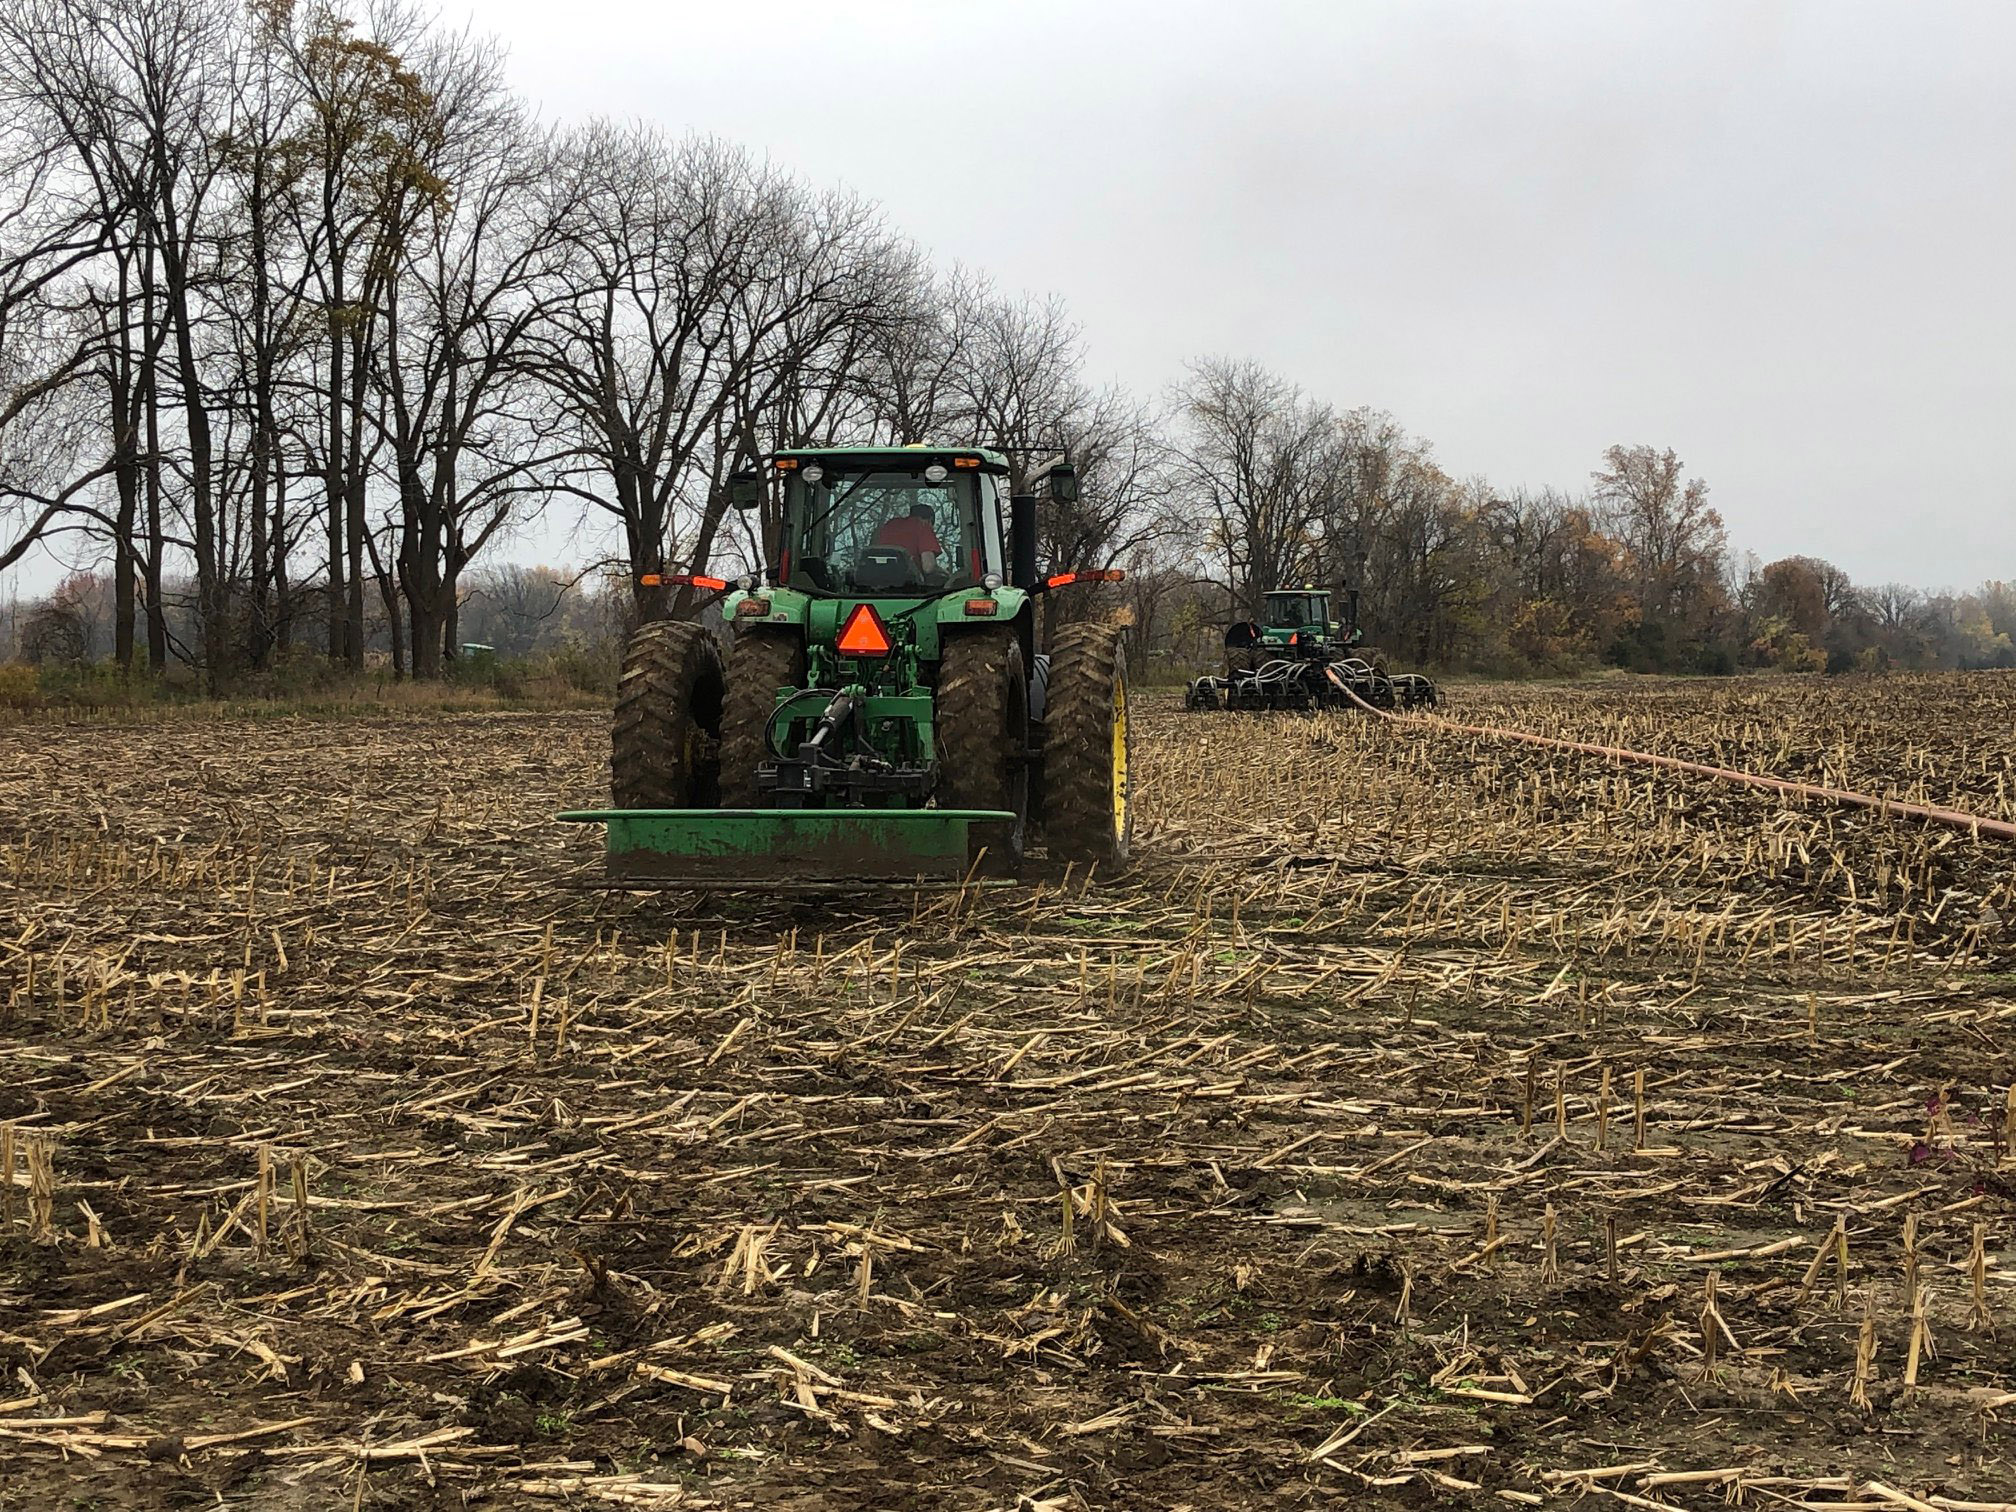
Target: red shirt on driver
[{"x": 911, "y": 533}]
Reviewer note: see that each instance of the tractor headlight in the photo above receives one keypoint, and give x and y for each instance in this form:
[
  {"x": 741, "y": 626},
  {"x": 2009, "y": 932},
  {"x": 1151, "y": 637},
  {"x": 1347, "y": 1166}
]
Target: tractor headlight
[
  {"x": 935, "y": 474},
  {"x": 746, "y": 582},
  {"x": 991, "y": 581},
  {"x": 813, "y": 473}
]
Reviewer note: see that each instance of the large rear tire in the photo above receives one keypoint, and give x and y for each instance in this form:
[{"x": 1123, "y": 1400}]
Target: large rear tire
[
  {"x": 664, "y": 740},
  {"x": 982, "y": 725},
  {"x": 760, "y": 663},
  {"x": 1088, "y": 814}
]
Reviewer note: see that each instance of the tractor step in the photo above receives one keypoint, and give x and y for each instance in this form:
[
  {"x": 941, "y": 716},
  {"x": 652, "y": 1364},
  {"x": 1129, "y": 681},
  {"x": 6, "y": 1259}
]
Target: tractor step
[{"x": 784, "y": 847}]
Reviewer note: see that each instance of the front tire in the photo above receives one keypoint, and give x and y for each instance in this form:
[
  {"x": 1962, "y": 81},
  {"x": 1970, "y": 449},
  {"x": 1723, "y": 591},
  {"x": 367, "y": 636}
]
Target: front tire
[
  {"x": 1087, "y": 748},
  {"x": 664, "y": 741}
]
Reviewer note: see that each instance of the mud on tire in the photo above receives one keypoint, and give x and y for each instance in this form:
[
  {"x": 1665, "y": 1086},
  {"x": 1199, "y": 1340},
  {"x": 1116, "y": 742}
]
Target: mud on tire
[
  {"x": 664, "y": 739},
  {"x": 760, "y": 663},
  {"x": 982, "y": 721},
  {"x": 1088, "y": 815}
]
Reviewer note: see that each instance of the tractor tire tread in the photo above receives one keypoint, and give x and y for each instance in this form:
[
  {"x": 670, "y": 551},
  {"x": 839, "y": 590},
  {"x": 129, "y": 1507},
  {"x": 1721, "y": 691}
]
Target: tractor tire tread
[
  {"x": 1087, "y": 662},
  {"x": 760, "y": 663},
  {"x": 975, "y": 716},
  {"x": 670, "y": 684}
]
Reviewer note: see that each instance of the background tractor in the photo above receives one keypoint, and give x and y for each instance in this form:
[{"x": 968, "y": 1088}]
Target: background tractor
[
  {"x": 1298, "y": 656},
  {"x": 884, "y": 709}
]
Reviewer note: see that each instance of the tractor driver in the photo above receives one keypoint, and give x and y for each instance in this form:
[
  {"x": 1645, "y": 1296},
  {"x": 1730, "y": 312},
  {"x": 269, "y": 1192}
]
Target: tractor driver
[{"x": 914, "y": 533}]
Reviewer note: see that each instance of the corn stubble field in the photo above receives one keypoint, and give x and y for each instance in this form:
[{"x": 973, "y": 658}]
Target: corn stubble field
[{"x": 1425, "y": 1119}]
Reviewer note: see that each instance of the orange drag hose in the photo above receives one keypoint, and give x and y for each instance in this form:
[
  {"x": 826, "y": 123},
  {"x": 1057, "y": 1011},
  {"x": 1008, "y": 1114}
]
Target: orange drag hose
[{"x": 1975, "y": 824}]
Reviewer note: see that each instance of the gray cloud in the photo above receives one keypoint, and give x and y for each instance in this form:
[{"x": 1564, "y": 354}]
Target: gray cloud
[{"x": 1776, "y": 236}]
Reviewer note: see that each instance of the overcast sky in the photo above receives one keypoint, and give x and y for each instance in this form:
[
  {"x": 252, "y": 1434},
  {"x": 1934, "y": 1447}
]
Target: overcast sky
[{"x": 1777, "y": 237}]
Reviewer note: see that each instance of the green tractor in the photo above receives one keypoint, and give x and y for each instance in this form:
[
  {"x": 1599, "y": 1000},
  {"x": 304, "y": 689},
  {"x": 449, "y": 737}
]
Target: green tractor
[
  {"x": 1297, "y": 657},
  {"x": 1295, "y": 624},
  {"x": 884, "y": 711}
]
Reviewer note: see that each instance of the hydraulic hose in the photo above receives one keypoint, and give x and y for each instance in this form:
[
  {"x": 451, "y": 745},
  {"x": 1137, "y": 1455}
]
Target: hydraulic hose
[
  {"x": 837, "y": 714},
  {"x": 1975, "y": 824}
]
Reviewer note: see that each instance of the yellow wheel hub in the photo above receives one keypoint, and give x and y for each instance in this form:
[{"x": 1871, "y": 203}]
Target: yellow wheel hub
[{"x": 1120, "y": 756}]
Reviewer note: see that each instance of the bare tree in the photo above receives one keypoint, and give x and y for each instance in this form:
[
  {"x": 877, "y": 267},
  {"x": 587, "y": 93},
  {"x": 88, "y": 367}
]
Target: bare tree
[
  {"x": 828, "y": 281},
  {"x": 370, "y": 140},
  {"x": 1904, "y": 623},
  {"x": 265, "y": 305},
  {"x": 53, "y": 221},
  {"x": 1020, "y": 378},
  {"x": 1125, "y": 489},
  {"x": 911, "y": 370},
  {"x": 141, "y": 94},
  {"x": 1259, "y": 459},
  {"x": 462, "y": 421},
  {"x": 699, "y": 280}
]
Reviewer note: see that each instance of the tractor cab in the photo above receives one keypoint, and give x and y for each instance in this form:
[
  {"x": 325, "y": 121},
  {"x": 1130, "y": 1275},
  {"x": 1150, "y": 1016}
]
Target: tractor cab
[
  {"x": 1303, "y": 613},
  {"x": 912, "y": 522},
  {"x": 1297, "y": 622}
]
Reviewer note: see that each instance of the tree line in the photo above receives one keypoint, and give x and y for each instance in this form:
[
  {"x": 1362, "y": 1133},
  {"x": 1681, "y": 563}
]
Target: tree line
[
  {"x": 1633, "y": 570},
  {"x": 306, "y": 323}
]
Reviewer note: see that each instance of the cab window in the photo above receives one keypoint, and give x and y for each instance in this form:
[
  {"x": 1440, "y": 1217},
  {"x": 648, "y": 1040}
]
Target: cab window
[
  {"x": 883, "y": 531},
  {"x": 1292, "y": 611},
  {"x": 992, "y": 503}
]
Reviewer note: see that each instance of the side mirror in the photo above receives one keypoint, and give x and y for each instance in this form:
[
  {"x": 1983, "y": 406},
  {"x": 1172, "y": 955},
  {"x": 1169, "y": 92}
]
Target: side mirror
[
  {"x": 745, "y": 489},
  {"x": 1064, "y": 483}
]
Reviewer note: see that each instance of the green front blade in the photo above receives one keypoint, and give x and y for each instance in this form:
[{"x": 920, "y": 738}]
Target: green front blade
[{"x": 785, "y": 847}]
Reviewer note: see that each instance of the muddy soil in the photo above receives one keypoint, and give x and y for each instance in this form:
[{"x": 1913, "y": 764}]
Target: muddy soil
[{"x": 1421, "y": 1121}]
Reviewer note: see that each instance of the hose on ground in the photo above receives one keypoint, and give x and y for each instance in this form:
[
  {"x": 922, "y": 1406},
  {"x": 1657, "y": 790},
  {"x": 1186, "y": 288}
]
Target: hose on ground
[{"x": 1925, "y": 813}]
